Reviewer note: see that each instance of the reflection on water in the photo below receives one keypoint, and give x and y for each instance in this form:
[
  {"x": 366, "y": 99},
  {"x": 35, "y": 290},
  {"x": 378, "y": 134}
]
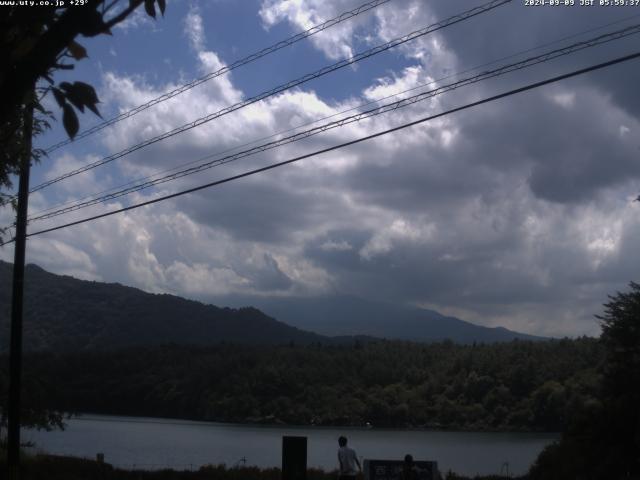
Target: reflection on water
[{"x": 150, "y": 443}]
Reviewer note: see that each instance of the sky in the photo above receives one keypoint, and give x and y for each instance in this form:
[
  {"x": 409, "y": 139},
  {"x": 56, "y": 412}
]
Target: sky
[{"x": 516, "y": 213}]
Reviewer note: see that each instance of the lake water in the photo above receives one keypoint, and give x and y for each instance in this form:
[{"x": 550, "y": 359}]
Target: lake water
[{"x": 151, "y": 443}]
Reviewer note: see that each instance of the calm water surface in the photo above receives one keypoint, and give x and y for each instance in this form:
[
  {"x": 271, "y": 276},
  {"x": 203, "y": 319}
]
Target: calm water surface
[{"x": 133, "y": 442}]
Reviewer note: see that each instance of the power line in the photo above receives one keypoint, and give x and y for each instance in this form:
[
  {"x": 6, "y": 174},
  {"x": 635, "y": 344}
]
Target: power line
[
  {"x": 346, "y": 144},
  {"x": 362, "y": 105},
  {"x": 281, "y": 88},
  {"x": 529, "y": 62},
  {"x": 226, "y": 69}
]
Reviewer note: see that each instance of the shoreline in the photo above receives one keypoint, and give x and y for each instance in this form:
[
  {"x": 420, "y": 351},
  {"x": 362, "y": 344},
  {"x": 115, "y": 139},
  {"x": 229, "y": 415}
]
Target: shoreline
[
  {"x": 186, "y": 421},
  {"x": 59, "y": 467},
  {"x": 171, "y": 443}
]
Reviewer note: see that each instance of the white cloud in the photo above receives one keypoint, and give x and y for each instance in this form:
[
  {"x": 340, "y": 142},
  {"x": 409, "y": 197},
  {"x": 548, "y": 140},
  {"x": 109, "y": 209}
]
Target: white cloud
[
  {"x": 470, "y": 214},
  {"x": 332, "y": 245},
  {"x": 564, "y": 99},
  {"x": 399, "y": 232},
  {"x": 64, "y": 259},
  {"x": 337, "y": 42},
  {"x": 137, "y": 19},
  {"x": 408, "y": 79},
  {"x": 194, "y": 29},
  {"x": 200, "y": 279},
  {"x": 78, "y": 185}
]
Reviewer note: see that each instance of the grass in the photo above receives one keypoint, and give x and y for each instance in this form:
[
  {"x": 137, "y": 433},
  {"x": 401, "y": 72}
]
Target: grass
[{"x": 52, "y": 467}]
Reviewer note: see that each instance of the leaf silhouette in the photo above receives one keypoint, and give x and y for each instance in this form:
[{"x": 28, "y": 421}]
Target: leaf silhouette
[
  {"x": 150, "y": 8},
  {"x": 59, "y": 96},
  {"x": 70, "y": 120},
  {"x": 77, "y": 51}
]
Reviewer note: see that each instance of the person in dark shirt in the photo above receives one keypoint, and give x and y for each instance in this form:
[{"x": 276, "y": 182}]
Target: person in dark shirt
[{"x": 409, "y": 470}]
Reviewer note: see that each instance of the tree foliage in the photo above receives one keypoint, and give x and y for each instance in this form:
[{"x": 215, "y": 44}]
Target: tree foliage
[
  {"x": 602, "y": 439},
  {"x": 621, "y": 339},
  {"x": 67, "y": 314},
  {"x": 35, "y": 42},
  {"x": 390, "y": 384}
]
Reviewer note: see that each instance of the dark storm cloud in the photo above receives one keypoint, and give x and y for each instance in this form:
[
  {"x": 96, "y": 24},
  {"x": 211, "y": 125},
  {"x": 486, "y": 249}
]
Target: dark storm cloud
[
  {"x": 626, "y": 263},
  {"x": 503, "y": 220},
  {"x": 250, "y": 210},
  {"x": 269, "y": 277},
  {"x": 573, "y": 151},
  {"x": 516, "y": 211},
  {"x": 418, "y": 272},
  {"x": 421, "y": 180},
  {"x": 565, "y": 154},
  {"x": 265, "y": 209},
  {"x": 568, "y": 153},
  {"x": 337, "y": 250},
  {"x": 515, "y": 28}
]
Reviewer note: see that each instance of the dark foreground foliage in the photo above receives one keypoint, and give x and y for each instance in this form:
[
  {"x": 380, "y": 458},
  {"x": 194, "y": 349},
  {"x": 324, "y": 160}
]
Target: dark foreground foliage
[
  {"x": 602, "y": 438},
  {"x": 49, "y": 467},
  {"x": 509, "y": 386}
]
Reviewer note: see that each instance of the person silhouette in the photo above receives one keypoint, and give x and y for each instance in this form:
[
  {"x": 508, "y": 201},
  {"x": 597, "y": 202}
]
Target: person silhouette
[
  {"x": 409, "y": 470},
  {"x": 348, "y": 461}
]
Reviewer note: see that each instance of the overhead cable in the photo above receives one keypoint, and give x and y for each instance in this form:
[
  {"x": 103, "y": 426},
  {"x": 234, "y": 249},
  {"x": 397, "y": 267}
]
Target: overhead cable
[
  {"x": 281, "y": 88},
  {"x": 226, "y": 69},
  {"x": 531, "y": 86},
  {"x": 529, "y": 62},
  {"x": 157, "y": 174}
]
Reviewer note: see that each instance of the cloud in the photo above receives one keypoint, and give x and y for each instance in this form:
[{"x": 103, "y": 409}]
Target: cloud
[
  {"x": 65, "y": 259},
  {"x": 137, "y": 19},
  {"x": 337, "y": 42},
  {"x": 75, "y": 185},
  {"x": 194, "y": 29},
  {"x": 517, "y": 213},
  {"x": 398, "y": 233}
]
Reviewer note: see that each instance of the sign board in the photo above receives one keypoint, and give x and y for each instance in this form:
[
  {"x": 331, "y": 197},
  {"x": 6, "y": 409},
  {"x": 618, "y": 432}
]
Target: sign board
[{"x": 392, "y": 470}]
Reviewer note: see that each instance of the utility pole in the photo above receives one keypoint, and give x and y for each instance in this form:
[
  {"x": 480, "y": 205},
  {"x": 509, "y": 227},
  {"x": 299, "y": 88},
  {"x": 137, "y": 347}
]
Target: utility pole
[{"x": 15, "y": 352}]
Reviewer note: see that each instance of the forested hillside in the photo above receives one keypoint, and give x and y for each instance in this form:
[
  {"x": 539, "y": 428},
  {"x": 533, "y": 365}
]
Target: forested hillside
[
  {"x": 511, "y": 386},
  {"x": 66, "y": 314}
]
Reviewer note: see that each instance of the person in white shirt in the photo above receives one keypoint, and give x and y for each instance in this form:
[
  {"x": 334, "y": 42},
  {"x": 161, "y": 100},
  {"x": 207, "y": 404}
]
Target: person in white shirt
[{"x": 348, "y": 461}]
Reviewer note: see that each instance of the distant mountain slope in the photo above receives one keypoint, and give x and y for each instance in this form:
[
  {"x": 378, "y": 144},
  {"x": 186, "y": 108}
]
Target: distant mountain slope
[
  {"x": 347, "y": 315},
  {"x": 63, "y": 313}
]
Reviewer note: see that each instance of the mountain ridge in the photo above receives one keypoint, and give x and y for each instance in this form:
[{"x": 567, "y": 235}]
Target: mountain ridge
[
  {"x": 349, "y": 315},
  {"x": 63, "y": 313}
]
